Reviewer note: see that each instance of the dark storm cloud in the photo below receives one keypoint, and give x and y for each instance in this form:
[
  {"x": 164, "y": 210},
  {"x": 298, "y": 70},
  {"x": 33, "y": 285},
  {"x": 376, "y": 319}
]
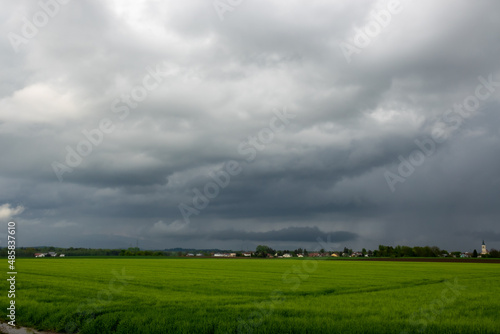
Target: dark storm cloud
[
  {"x": 222, "y": 84},
  {"x": 305, "y": 234}
]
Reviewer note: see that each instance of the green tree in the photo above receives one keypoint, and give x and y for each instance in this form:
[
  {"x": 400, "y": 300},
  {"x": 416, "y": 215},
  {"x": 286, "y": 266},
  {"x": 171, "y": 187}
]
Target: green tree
[
  {"x": 263, "y": 250},
  {"x": 407, "y": 251},
  {"x": 494, "y": 253},
  {"x": 474, "y": 254}
]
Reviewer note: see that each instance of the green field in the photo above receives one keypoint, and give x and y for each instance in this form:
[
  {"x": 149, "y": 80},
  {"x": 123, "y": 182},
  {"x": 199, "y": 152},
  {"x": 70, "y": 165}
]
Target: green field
[{"x": 146, "y": 295}]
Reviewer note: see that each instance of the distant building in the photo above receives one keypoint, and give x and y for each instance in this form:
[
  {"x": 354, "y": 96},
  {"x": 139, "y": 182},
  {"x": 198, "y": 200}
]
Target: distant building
[
  {"x": 40, "y": 254},
  {"x": 247, "y": 254},
  {"x": 225, "y": 255},
  {"x": 300, "y": 255},
  {"x": 62, "y": 255},
  {"x": 287, "y": 255},
  {"x": 483, "y": 249}
]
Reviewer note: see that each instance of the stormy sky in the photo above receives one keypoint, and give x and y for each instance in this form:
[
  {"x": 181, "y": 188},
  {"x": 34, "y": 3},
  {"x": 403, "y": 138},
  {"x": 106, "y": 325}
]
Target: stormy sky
[{"x": 229, "y": 124}]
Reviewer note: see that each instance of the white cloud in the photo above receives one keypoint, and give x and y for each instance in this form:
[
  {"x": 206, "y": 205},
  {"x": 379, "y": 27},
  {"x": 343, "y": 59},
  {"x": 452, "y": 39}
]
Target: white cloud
[
  {"x": 7, "y": 212},
  {"x": 175, "y": 228},
  {"x": 38, "y": 103}
]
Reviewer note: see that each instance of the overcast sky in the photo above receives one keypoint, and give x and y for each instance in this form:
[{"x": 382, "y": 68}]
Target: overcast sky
[{"x": 230, "y": 124}]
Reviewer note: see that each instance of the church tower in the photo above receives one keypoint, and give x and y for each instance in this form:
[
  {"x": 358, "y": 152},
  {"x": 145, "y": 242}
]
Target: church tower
[{"x": 483, "y": 249}]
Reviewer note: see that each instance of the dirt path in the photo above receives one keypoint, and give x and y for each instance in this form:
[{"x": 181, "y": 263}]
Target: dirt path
[{"x": 8, "y": 329}]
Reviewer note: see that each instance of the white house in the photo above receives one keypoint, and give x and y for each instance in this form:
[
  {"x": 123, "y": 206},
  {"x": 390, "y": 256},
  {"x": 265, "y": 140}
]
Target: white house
[
  {"x": 287, "y": 255},
  {"x": 223, "y": 254}
]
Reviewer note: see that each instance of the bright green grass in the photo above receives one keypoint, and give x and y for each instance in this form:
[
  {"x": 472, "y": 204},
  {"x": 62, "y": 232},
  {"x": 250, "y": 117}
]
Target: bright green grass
[{"x": 255, "y": 296}]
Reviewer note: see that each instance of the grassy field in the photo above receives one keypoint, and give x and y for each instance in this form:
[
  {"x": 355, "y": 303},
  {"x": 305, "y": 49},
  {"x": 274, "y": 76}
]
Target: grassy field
[{"x": 146, "y": 295}]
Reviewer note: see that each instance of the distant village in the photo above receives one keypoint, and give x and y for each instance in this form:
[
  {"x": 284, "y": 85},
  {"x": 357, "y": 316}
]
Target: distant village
[
  {"x": 262, "y": 251},
  {"x": 49, "y": 254},
  {"x": 383, "y": 251}
]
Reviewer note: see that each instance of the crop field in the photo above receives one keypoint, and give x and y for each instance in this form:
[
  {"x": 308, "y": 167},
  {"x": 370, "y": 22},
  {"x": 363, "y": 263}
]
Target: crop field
[{"x": 194, "y": 295}]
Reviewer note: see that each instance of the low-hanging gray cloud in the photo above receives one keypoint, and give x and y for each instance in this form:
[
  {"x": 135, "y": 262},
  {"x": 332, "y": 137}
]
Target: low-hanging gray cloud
[{"x": 298, "y": 234}]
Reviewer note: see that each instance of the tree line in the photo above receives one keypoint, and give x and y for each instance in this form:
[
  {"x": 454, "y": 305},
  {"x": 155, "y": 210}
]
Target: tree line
[
  {"x": 382, "y": 251},
  {"x": 261, "y": 251},
  {"x": 131, "y": 251},
  {"x": 405, "y": 251}
]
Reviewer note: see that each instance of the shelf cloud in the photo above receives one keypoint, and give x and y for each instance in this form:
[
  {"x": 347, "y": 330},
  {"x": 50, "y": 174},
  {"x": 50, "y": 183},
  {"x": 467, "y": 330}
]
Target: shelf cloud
[{"x": 189, "y": 125}]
